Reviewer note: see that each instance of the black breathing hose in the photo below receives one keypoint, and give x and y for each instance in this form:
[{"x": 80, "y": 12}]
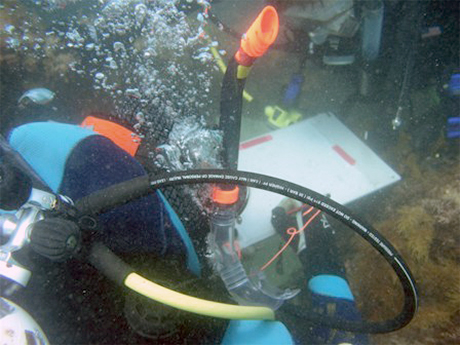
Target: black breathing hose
[{"x": 124, "y": 192}]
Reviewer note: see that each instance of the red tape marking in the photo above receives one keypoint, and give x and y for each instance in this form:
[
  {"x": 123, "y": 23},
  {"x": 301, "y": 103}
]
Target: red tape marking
[
  {"x": 255, "y": 142},
  {"x": 349, "y": 159}
]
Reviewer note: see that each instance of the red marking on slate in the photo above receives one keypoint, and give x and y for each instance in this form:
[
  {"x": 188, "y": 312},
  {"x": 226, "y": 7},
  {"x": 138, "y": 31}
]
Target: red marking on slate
[
  {"x": 255, "y": 142},
  {"x": 349, "y": 159}
]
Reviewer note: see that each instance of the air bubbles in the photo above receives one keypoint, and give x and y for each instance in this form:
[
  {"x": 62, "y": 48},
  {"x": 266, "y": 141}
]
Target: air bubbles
[
  {"x": 9, "y": 28},
  {"x": 172, "y": 70},
  {"x": 144, "y": 50},
  {"x": 118, "y": 46},
  {"x": 204, "y": 57},
  {"x": 99, "y": 21},
  {"x": 74, "y": 36},
  {"x": 140, "y": 117},
  {"x": 92, "y": 33},
  {"x": 140, "y": 11},
  {"x": 133, "y": 93},
  {"x": 99, "y": 76},
  {"x": 137, "y": 126},
  {"x": 12, "y": 42}
]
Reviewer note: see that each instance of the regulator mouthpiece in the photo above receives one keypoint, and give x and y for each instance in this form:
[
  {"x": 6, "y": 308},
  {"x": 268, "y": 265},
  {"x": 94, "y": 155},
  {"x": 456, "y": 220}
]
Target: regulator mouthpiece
[{"x": 226, "y": 255}]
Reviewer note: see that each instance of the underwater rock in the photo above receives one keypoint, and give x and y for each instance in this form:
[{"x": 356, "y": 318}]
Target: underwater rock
[{"x": 39, "y": 96}]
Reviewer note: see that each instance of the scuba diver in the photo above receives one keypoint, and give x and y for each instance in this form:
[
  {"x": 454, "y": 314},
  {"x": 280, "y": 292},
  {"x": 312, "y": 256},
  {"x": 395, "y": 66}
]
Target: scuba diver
[
  {"x": 77, "y": 192},
  {"x": 76, "y": 161}
]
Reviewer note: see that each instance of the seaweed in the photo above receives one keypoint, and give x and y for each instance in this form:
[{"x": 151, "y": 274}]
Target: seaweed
[
  {"x": 417, "y": 227},
  {"x": 422, "y": 222}
]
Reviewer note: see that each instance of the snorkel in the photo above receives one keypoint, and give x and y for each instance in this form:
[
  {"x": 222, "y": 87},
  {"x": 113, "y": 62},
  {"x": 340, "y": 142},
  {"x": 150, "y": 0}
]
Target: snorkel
[
  {"x": 254, "y": 43},
  {"x": 222, "y": 238}
]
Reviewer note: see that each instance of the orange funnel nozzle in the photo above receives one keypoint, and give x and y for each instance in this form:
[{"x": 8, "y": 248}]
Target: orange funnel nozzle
[{"x": 262, "y": 33}]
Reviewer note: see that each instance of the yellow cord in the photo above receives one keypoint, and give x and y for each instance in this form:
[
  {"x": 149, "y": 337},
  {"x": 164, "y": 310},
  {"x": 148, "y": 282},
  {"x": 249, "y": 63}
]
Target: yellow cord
[
  {"x": 218, "y": 60},
  {"x": 195, "y": 305}
]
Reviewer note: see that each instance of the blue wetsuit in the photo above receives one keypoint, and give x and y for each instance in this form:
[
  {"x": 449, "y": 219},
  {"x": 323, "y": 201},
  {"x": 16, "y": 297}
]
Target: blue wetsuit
[{"x": 76, "y": 162}]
